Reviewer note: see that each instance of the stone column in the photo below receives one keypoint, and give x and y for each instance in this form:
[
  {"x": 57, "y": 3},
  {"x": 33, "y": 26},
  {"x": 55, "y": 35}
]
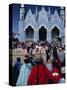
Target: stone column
[
  {"x": 49, "y": 36},
  {"x": 36, "y": 35},
  {"x": 62, "y": 35},
  {"x": 21, "y": 31}
]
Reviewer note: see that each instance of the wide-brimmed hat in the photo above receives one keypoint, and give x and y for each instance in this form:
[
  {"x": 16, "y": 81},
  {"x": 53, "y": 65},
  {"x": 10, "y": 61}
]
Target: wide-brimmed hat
[{"x": 26, "y": 57}]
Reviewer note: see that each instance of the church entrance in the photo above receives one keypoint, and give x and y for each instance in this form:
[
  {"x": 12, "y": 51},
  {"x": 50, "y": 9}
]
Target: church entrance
[
  {"x": 54, "y": 33},
  {"x": 42, "y": 33},
  {"x": 29, "y": 33}
]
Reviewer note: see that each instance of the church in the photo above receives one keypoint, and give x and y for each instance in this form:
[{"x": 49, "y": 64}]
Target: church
[{"x": 42, "y": 24}]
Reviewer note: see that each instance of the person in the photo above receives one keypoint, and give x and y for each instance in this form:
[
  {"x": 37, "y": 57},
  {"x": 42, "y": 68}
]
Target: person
[
  {"x": 61, "y": 54},
  {"x": 39, "y": 74},
  {"x": 49, "y": 64},
  {"x": 16, "y": 69},
  {"x": 18, "y": 63},
  {"x": 57, "y": 64},
  {"x": 37, "y": 53},
  {"x": 56, "y": 75},
  {"x": 55, "y": 52},
  {"x": 43, "y": 53},
  {"x": 63, "y": 69},
  {"x": 49, "y": 67},
  {"x": 24, "y": 72}
]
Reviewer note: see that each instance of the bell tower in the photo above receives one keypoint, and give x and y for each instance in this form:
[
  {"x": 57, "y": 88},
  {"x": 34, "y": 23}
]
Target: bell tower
[
  {"x": 62, "y": 13},
  {"x": 21, "y": 23},
  {"x": 22, "y": 12}
]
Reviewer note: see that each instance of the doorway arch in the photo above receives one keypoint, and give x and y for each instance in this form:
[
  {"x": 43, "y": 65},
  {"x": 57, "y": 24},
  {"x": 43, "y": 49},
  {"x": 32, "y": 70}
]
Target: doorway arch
[
  {"x": 55, "y": 33},
  {"x": 42, "y": 33},
  {"x": 29, "y": 33}
]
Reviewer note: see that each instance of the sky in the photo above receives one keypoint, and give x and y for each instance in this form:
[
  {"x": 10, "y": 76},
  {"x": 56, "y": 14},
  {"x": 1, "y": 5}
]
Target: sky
[
  {"x": 16, "y": 12},
  {"x": 39, "y": 7}
]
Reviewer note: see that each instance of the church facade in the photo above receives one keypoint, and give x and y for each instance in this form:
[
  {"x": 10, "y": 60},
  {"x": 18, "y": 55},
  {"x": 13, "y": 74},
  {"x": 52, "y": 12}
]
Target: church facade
[{"x": 42, "y": 25}]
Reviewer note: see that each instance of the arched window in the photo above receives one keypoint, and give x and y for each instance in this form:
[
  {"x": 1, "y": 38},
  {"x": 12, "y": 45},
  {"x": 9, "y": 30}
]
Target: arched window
[
  {"x": 29, "y": 33},
  {"x": 42, "y": 33},
  {"x": 54, "y": 33}
]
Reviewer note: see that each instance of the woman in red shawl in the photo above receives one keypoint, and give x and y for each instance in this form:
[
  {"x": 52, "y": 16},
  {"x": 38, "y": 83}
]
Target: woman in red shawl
[{"x": 39, "y": 74}]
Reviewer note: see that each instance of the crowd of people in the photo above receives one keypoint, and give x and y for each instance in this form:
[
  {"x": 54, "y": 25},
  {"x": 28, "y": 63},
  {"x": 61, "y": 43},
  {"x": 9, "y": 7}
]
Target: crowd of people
[{"x": 44, "y": 63}]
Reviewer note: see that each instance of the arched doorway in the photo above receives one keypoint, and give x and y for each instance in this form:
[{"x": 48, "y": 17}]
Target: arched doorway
[
  {"x": 55, "y": 33},
  {"x": 29, "y": 33},
  {"x": 42, "y": 33}
]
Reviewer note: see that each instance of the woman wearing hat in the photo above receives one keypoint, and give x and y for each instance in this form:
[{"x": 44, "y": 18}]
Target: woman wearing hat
[
  {"x": 39, "y": 74},
  {"x": 24, "y": 71}
]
